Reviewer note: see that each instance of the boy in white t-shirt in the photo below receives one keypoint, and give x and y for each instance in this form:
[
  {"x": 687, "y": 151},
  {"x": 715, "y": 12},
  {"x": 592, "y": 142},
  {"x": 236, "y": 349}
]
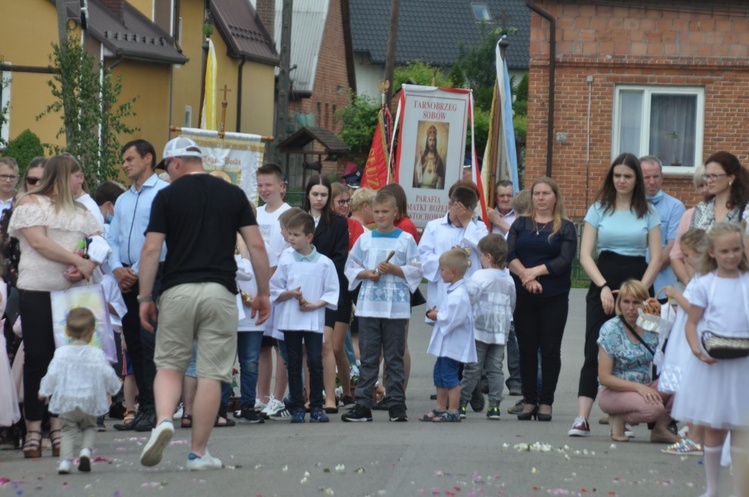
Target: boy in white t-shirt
[{"x": 271, "y": 188}]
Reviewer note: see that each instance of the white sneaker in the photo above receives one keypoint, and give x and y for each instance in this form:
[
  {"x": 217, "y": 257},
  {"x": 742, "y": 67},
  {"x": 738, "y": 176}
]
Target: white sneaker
[
  {"x": 282, "y": 415},
  {"x": 274, "y": 406},
  {"x": 84, "y": 462},
  {"x": 259, "y": 405},
  {"x": 197, "y": 463},
  {"x": 628, "y": 431},
  {"x": 154, "y": 449},
  {"x": 179, "y": 412},
  {"x": 63, "y": 468}
]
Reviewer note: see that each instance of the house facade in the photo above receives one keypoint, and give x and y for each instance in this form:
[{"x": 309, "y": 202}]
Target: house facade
[
  {"x": 662, "y": 77},
  {"x": 156, "y": 46}
]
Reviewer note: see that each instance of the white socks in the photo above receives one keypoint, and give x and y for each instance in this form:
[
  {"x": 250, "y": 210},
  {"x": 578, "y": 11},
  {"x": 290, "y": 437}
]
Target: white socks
[{"x": 712, "y": 469}]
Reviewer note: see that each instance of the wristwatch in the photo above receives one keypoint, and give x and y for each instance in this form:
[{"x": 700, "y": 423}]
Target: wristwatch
[{"x": 147, "y": 298}]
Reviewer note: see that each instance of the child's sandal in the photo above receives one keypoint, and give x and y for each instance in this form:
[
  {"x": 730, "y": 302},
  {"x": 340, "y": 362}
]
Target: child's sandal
[
  {"x": 32, "y": 447},
  {"x": 432, "y": 415},
  {"x": 447, "y": 417},
  {"x": 55, "y": 441}
]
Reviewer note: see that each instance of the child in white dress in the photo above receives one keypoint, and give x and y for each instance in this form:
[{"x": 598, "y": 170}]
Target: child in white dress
[
  {"x": 304, "y": 284},
  {"x": 492, "y": 293},
  {"x": 677, "y": 354},
  {"x": 77, "y": 382},
  {"x": 452, "y": 339},
  {"x": 717, "y": 395}
]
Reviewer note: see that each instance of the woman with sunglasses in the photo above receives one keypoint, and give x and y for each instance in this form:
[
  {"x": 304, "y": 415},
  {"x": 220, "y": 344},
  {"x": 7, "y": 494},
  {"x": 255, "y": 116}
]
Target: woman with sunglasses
[{"x": 33, "y": 174}]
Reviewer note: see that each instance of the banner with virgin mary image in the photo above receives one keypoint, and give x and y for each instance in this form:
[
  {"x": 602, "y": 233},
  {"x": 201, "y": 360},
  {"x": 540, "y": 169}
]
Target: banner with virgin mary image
[{"x": 431, "y": 147}]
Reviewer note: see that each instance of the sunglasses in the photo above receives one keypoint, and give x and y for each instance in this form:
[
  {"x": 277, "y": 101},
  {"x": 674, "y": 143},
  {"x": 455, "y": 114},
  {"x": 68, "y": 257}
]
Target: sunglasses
[{"x": 33, "y": 181}]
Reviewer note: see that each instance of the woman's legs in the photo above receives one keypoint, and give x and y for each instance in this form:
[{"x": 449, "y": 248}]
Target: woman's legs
[
  {"x": 329, "y": 368},
  {"x": 553, "y": 318},
  {"x": 264, "y": 373},
  {"x": 340, "y": 330},
  {"x": 527, "y": 330}
]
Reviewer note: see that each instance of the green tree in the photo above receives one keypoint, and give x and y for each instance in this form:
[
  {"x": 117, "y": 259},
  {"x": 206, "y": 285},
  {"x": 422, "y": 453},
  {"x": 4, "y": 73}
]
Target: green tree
[
  {"x": 418, "y": 73},
  {"x": 87, "y": 101},
  {"x": 3, "y": 108},
  {"x": 24, "y": 147},
  {"x": 359, "y": 120}
]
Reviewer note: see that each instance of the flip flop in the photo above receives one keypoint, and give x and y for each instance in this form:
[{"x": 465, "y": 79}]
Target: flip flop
[{"x": 228, "y": 422}]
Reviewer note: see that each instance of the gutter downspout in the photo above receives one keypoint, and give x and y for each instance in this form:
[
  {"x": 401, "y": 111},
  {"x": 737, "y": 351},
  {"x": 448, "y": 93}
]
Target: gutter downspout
[
  {"x": 239, "y": 94},
  {"x": 552, "y": 73}
]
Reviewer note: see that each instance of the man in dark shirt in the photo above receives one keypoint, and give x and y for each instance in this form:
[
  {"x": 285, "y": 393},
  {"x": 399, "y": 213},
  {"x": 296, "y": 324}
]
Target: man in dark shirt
[{"x": 199, "y": 217}]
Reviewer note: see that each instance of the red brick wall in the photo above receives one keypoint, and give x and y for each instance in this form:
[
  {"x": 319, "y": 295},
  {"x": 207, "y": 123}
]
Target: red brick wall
[
  {"x": 331, "y": 87},
  {"x": 117, "y": 7},
  {"x": 266, "y": 10},
  {"x": 634, "y": 45}
]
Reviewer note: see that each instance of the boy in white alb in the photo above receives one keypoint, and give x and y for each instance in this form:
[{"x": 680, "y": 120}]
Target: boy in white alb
[
  {"x": 271, "y": 187},
  {"x": 452, "y": 339},
  {"x": 386, "y": 264},
  {"x": 492, "y": 293},
  {"x": 304, "y": 284},
  {"x": 456, "y": 228}
]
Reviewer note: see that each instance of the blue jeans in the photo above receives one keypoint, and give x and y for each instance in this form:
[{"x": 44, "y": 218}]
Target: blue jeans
[
  {"x": 295, "y": 343},
  {"x": 248, "y": 350}
]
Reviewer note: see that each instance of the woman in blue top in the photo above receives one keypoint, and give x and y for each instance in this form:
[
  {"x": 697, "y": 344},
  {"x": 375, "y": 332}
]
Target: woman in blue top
[
  {"x": 620, "y": 227},
  {"x": 625, "y": 361},
  {"x": 541, "y": 247}
]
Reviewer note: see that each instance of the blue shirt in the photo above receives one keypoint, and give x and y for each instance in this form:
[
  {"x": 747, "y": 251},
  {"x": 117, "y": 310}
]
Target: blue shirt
[
  {"x": 127, "y": 231},
  {"x": 669, "y": 210},
  {"x": 621, "y": 231}
]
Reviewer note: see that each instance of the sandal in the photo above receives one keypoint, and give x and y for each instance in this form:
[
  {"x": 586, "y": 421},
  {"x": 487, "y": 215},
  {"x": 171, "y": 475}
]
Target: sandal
[
  {"x": 448, "y": 417},
  {"x": 227, "y": 422},
  {"x": 32, "y": 447},
  {"x": 684, "y": 447},
  {"x": 186, "y": 421},
  {"x": 431, "y": 415},
  {"x": 55, "y": 441},
  {"x": 129, "y": 416}
]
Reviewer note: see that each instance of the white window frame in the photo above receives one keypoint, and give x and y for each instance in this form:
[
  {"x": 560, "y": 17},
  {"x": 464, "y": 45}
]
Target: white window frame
[
  {"x": 485, "y": 7},
  {"x": 648, "y": 91}
]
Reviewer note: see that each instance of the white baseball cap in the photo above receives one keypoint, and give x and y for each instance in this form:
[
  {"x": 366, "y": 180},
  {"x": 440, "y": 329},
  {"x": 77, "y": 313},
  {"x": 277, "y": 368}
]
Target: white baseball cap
[{"x": 179, "y": 147}]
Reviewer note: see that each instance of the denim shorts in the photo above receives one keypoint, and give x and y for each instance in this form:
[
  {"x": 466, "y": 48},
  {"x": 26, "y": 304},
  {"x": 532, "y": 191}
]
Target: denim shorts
[{"x": 446, "y": 373}]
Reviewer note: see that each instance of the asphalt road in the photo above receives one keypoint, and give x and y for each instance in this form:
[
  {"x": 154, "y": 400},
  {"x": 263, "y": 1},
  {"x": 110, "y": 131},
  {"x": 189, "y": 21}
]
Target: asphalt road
[{"x": 474, "y": 458}]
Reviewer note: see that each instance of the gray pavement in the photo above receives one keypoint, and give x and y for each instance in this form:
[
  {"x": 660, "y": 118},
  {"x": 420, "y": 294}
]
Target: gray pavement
[{"x": 472, "y": 458}]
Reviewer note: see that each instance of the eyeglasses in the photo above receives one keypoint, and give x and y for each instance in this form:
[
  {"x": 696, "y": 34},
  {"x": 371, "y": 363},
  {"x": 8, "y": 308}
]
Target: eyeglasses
[
  {"x": 32, "y": 180},
  {"x": 713, "y": 177},
  {"x": 343, "y": 202},
  {"x": 8, "y": 177}
]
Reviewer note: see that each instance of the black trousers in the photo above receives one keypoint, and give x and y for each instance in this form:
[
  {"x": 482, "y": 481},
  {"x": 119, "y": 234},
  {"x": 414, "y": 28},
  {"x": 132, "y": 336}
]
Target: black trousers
[
  {"x": 140, "y": 346},
  {"x": 39, "y": 348},
  {"x": 616, "y": 269},
  {"x": 539, "y": 325}
]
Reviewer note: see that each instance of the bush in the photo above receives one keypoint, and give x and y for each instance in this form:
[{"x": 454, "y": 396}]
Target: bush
[{"x": 23, "y": 148}]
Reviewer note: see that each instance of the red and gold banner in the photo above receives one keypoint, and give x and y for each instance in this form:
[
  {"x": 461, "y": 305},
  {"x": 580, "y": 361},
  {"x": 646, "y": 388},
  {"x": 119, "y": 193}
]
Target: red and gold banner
[{"x": 375, "y": 174}]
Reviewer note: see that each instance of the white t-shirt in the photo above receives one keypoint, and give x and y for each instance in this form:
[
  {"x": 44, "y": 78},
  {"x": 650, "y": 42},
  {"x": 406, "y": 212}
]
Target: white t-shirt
[
  {"x": 90, "y": 204},
  {"x": 270, "y": 229}
]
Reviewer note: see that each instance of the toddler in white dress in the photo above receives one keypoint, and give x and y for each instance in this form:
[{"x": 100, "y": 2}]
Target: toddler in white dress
[{"x": 77, "y": 383}]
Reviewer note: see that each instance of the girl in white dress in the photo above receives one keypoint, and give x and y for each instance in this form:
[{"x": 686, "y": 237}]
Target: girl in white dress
[{"x": 717, "y": 395}]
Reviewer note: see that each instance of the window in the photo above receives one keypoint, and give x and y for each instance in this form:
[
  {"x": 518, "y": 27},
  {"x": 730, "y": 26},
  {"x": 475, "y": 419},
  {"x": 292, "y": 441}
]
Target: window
[
  {"x": 188, "y": 116},
  {"x": 481, "y": 12},
  {"x": 663, "y": 121},
  {"x": 319, "y": 115},
  {"x": 5, "y": 80}
]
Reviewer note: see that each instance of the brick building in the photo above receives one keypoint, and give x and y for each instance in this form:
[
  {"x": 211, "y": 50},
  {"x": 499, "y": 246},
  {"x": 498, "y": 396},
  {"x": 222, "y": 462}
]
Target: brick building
[
  {"x": 663, "y": 77},
  {"x": 322, "y": 71}
]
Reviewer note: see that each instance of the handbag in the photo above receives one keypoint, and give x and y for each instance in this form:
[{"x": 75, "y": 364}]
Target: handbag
[
  {"x": 722, "y": 347},
  {"x": 91, "y": 297}
]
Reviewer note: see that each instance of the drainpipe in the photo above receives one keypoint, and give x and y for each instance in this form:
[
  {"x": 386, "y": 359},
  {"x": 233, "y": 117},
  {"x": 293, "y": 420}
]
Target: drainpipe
[
  {"x": 552, "y": 71},
  {"x": 239, "y": 94}
]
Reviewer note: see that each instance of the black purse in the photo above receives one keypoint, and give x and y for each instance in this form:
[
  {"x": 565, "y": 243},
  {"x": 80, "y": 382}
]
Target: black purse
[{"x": 722, "y": 347}]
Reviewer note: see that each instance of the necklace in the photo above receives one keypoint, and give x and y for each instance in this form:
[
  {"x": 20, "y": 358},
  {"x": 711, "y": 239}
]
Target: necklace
[{"x": 537, "y": 229}]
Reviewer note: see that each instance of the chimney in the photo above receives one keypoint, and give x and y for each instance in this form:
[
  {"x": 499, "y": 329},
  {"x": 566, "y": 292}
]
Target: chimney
[
  {"x": 266, "y": 10},
  {"x": 116, "y": 7}
]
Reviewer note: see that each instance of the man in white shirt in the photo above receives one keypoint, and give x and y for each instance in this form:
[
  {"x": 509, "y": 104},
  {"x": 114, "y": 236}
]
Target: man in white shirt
[{"x": 502, "y": 216}]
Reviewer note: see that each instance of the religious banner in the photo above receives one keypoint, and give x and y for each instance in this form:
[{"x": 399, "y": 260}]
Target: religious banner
[
  {"x": 235, "y": 157},
  {"x": 431, "y": 147}
]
